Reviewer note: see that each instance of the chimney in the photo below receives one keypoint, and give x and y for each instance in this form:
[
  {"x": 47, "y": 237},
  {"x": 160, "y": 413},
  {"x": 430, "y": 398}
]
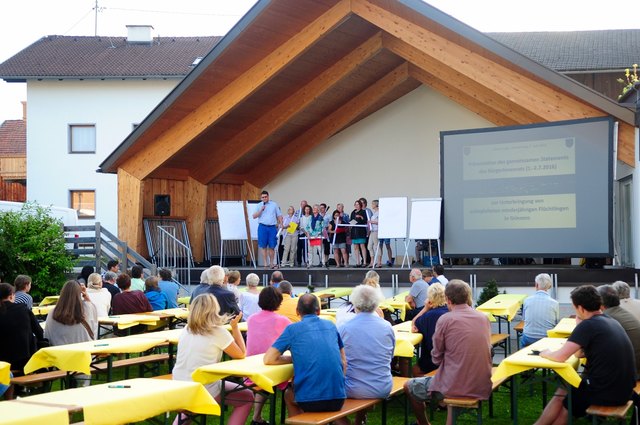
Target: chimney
[
  {"x": 24, "y": 110},
  {"x": 139, "y": 34}
]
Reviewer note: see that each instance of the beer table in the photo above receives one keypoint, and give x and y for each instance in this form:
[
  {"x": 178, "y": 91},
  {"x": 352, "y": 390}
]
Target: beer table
[
  {"x": 503, "y": 306},
  {"x": 126, "y": 321},
  {"x": 15, "y": 413},
  {"x": 330, "y": 293},
  {"x": 5, "y": 373},
  {"x": 563, "y": 329},
  {"x": 127, "y": 401},
  {"x": 397, "y": 304}
]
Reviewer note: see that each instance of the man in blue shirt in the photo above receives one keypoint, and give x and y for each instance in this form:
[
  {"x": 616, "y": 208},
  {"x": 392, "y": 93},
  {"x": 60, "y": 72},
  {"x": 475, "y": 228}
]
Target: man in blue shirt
[
  {"x": 269, "y": 218},
  {"x": 169, "y": 287},
  {"x": 318, "y": 360},
  {"x": 540, "y": 312}
]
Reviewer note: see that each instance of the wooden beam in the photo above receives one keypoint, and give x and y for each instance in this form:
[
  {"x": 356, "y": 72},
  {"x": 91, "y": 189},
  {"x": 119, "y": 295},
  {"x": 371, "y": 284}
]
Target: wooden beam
[
  {"x": 327, "y": 127},
  {"x": 238, "y": 146},
  {"x": 462, "y": 97},
  {"x": 626, "y": 144},
  {"x": 152, "y": 155},
  {"x": 196, "y": 209},
  {"x": 170, "y": 173},
  {"x": 534, "y": 96},
  {"x": 130, "y": 191}
]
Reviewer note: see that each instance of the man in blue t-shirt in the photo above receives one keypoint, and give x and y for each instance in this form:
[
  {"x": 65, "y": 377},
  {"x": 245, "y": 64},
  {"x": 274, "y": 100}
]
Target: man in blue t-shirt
[
  {"x": 169, "y": 287},
  {"x": 318, "y": 360},
  {"x": 269, "y": 219}
]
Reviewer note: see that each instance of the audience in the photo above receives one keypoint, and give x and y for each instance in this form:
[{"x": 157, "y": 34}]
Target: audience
[
  {"x": 20, "y": 332},
  {"x": 73, "y": 319},
  {"x": 369, "y": 342},
  {"x": 276, "y": 278},
  {"x": 202, "y": 342},
  {"x": 129, "y": 301},
  {"x": 249, "y": 302},
  {"x": 539, "y": 311},
  {"x": 263, "y": 328},
  {"x": 233, "y": 280},
  {"x": 347, "y": 311},
  {"x": 438, "y": 270},
  {"x": 609, "y": 378},
  {"x": 168, "y": 287},
  {"x": 417, "y": 294},
  {"x": 435, "y": 306},
  {"x": 84, "y": 274},
  {"x": 289, "y": 306},
  {"x": 631, "y": 325},
  {"x": 318, "y": 377},
  {"x": 22, "y": 284},
  {"x": 461, "y": 349},
  {"x": 137, "y": 282},
  {"x": 156, "y": 297},
  {"x": 109, "y": 282},
  {"x": 214, "y": 281},
  {"x": 100, "y": 297},
  {"x": 632, "y": 305}
]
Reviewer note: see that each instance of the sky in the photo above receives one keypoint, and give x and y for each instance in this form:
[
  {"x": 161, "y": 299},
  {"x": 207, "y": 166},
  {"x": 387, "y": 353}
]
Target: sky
[{"x": 24, "y": 22}]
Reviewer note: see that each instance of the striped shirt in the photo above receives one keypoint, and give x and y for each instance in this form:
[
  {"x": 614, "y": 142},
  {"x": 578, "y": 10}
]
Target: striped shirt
[
  {"x": 540, "y": 313},
  {"x": 24, "y": 298}
]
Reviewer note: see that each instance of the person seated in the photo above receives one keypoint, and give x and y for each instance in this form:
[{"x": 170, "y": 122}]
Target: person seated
[
  {"x": 156, "y": 297},
  {"x": 233, "y": 280},
  {"x": 369, "y": 342},
  {"x": 263, "y": 328},
  {"x": 83, "y": 277},
  {"x": 249, "y": 301},
  {"x": 129, "y": 301},
  {"x": 109, "y": 282},
  {"x": 461, "y": 349},
  {"x": 632, "y": 305},
  {"x": 100, "y": 297},
  {"x": 74, "y": 319},
  {"x": 417, "y": 294},
  {"x": 347, "y": 311},
  {"x": 22, "y": 283},
  {"x": 435, "y": 306},
  {"x": 20, "y": 332},
  {"x": 609, "y": 378},
  {"x": 168, "y": 287},
  {"x": 288, "y": 307},
  {"x": 202, "y": 343},
  {"x": 539, "y": 311},
  {"x": 316, "y": 345},
  {"x": 137, "y": 282},
  {"x": 214, "y": 284}
]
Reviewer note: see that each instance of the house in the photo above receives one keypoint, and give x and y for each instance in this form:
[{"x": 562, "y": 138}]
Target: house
[
  {"x": 85, "y": 95},
  {"x": 13, "y": 159},
  {"x": 334, "y": 100}
]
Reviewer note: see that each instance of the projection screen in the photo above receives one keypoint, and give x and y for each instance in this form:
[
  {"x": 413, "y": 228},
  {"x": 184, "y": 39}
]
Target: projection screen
[{"x": 538, "y": 190}]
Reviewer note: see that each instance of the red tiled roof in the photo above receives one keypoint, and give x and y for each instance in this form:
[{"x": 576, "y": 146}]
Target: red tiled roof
[
  {"x": 13, "y": 138},
  {"x": 57, "y": 56}
]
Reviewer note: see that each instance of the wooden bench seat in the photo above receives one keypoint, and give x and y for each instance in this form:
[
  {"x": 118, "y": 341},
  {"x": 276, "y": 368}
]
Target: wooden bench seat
[
  {"x": 618, "y": 413},
  {"x": 38, "y": 378},
  {"x": 350, "y": 406},
  {"x": 519, "y": 328},
  {"x": 132, "y": 361},
  {"x": 501, "y": 340}
]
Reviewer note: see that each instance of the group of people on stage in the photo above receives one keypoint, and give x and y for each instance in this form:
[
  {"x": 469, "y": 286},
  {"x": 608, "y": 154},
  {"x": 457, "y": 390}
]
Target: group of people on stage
[{"x": 308, "y": 235}]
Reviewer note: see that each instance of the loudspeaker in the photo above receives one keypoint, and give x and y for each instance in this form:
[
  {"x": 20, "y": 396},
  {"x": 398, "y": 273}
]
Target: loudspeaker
[{"x": 162, "y": 205}]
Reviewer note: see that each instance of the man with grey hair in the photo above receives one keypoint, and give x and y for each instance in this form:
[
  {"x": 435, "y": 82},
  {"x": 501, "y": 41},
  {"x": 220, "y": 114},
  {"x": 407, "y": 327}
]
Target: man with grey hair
[
  {"x": 632, "y": 305},
  {"x": 214, "y": 278},
  {"x": 369, "y": 342},
  {"x": 417, "y": 294},
  {"x": 631, "y": 325},
  {"x": 289, "y": 304},
  {"x": 109, "y": 282},
  {"x": 540, "y": 312}
]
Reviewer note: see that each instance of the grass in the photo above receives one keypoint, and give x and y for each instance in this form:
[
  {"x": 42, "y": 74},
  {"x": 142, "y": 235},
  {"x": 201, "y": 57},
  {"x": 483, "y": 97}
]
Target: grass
[{"x": 529, "y": 407}]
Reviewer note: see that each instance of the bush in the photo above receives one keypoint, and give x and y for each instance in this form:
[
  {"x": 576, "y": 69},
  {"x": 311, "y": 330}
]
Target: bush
[
  {"x": 32, "y": 243},
  {"x": 489, "y": 291}
]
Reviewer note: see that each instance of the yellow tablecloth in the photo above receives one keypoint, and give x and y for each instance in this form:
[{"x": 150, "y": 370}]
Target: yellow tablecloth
[
  {"x": 405, "y": 340},
  {"x": 503, "y": 305},
  {"x": 397, "y": 302},
  {"x": 51, "y": 299},
  {"x": 523, "y": 360},
  {"x": 42, "y": 310},
  {"x": 336, "y": 292},
  {"x": 252, "y": 367},
  {"x": 5, "y": 377},
  {"x": 184, "y": 300},
  {"x": 125, "y": 321},
  {"x": 563, "y": 329},
  {"x": 15, "y": 413},
  {"x": 170, "y": 336},
  {"x": 178, "y": 312},
  {"x": 146, "y": 397},
  {"x": 77, "y": 357},
  {"x": 242, "y": 326}
]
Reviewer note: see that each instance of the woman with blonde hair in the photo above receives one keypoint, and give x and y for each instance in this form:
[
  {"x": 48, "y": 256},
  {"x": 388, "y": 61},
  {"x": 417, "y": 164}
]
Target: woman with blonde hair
[
  {"x": 100, "y": 297},
  {"x": 435, "y": 306},
  {"x": 202, "y": 342}
]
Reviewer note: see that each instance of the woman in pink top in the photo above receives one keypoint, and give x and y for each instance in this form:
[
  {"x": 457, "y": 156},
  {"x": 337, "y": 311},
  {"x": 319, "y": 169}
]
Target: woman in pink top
[{"x": 263, "y": 328}]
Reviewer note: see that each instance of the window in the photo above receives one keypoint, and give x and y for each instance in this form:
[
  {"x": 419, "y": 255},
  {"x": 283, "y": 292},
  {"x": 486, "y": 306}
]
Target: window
[
  {"x": 82, "y": 138},
  {"x": 84, "y": 202}
]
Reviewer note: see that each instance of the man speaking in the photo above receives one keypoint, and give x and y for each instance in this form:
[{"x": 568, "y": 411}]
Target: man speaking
[{"x": 269, "y": 219}]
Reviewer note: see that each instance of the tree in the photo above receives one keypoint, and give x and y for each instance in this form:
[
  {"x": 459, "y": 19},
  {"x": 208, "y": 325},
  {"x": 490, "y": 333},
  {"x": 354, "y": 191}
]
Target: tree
[
  {"x": 489, "y": 291},
  {"x": 32, "y": 243}
]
